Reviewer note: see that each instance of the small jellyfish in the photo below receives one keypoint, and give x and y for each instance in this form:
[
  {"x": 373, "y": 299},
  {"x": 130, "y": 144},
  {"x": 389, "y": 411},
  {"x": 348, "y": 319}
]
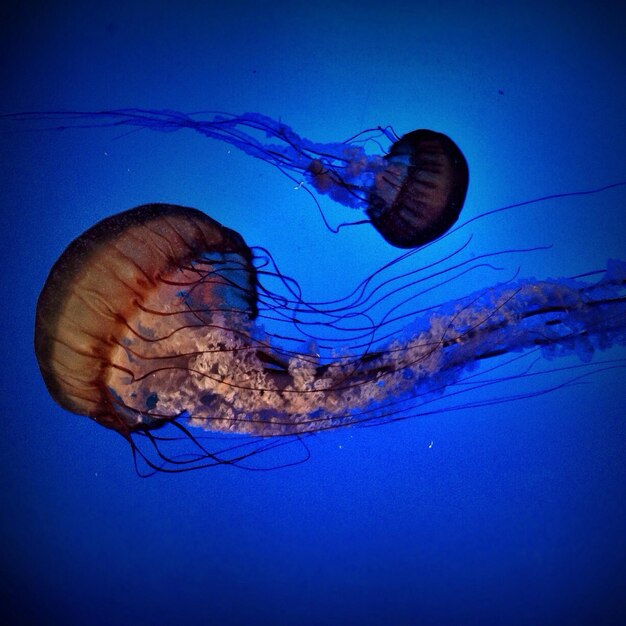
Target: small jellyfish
[
  {"x": 151, "y": 318},
  {"x": 411, "y": 195}
]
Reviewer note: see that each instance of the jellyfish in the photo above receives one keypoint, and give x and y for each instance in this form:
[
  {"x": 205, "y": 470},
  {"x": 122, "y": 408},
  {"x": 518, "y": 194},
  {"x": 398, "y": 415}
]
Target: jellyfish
[
  {"x": 412, "y": 195},
  {"x": 157, "y": 317}
]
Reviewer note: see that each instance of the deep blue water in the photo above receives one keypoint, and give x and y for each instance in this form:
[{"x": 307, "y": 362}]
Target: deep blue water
[{"x": 511, "y": 514}]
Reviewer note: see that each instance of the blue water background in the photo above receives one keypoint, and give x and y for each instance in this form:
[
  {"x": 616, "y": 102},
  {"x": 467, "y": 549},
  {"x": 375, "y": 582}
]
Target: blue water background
[{"x": 511, "y": 514}]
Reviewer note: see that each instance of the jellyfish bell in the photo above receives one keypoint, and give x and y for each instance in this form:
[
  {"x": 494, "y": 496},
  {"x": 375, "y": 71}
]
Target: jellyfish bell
[
  {"x": 123, "y": 284},
  {"x": 420, "y": 193},
  {"x": 150, "y": 318}
]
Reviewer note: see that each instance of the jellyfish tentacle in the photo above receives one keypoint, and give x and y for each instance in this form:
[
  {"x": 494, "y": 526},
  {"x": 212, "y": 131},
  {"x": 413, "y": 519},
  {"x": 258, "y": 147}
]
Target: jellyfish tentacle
[{"x": 560, "y": 317}]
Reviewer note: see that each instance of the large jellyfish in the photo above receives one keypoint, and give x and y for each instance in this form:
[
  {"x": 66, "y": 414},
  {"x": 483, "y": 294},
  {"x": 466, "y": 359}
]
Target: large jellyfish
[
  {"x": 154, "y": 317},
  {"x": 412, "y": 195}
]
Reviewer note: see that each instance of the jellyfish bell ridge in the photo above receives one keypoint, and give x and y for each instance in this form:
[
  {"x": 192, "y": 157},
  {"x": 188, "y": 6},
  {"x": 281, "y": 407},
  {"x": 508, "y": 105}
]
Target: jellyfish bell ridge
[{"x": 135, "y": 275}]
